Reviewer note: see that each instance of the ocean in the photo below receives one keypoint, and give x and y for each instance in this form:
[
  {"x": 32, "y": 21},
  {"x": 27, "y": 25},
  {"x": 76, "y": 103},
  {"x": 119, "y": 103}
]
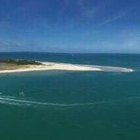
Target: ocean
[{"x": 71, "y": 105}]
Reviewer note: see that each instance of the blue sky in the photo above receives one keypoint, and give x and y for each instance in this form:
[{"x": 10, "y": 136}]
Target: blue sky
[{"x": 80, "y": 26}]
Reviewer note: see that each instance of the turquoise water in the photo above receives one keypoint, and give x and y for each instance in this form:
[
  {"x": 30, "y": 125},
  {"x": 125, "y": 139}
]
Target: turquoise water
[{"x": 62, "y": 105}]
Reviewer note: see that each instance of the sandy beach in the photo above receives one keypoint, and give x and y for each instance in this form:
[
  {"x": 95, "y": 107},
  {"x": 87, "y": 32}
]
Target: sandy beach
[
  {"x": 52, "y": 66},
  {"x": 68, "y": 67}
]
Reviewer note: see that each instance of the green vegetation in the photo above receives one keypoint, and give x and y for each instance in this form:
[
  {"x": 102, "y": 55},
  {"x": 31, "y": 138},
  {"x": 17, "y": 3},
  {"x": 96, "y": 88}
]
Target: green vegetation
[{"x": 19, "y": 62}]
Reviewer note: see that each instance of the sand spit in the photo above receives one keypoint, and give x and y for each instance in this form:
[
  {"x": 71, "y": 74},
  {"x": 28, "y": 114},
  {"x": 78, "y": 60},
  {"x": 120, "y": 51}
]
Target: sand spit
[{"x": 68, "y": 67}]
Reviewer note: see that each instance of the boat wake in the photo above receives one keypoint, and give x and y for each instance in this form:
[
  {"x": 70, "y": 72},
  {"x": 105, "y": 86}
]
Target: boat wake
[{"x": 11, "y": 100}]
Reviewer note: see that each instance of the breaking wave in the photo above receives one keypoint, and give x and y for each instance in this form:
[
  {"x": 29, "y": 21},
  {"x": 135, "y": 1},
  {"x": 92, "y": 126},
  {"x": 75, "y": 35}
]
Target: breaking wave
[{"x": 111, "y": 69}]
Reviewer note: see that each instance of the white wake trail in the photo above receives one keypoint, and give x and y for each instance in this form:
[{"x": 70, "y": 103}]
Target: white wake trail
[
  {"x": 11, "y": 100},
  {"x": 23, "y": 102}
]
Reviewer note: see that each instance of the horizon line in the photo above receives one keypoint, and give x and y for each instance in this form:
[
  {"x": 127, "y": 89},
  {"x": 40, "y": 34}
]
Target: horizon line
[{"x": 68, "y": 52}]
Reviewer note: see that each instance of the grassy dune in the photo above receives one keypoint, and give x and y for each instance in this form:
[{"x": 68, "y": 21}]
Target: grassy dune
[{"x": 12, "y": 64}]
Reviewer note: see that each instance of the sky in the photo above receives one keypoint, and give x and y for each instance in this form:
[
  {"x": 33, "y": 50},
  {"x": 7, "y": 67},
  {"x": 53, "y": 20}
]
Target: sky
[{"x": 70, "y": 26}]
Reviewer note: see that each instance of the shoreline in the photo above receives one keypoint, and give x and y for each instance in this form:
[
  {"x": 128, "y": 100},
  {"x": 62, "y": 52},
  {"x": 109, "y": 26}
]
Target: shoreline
[{"x": 66, "y": 67}]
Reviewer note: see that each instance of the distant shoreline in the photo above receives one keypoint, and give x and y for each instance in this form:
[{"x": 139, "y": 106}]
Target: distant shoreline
[{"x": 45, "y": 66}]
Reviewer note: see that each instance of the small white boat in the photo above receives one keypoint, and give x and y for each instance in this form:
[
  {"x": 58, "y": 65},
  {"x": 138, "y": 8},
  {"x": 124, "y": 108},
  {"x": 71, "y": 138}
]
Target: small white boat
[{"x": 22, "y": 93}]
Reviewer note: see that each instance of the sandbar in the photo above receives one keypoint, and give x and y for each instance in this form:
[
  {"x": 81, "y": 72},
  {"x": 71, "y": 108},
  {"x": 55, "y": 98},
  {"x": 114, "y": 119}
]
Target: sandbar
[{"x": 65, "y": 67}]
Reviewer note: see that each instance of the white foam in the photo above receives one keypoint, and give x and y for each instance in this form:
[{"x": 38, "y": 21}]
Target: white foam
[{"x": 111, "y": 68}]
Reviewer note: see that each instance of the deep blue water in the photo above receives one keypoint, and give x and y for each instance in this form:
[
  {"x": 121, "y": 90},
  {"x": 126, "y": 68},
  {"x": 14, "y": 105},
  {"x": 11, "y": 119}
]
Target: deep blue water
[{"x": 62, "y": 105}]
